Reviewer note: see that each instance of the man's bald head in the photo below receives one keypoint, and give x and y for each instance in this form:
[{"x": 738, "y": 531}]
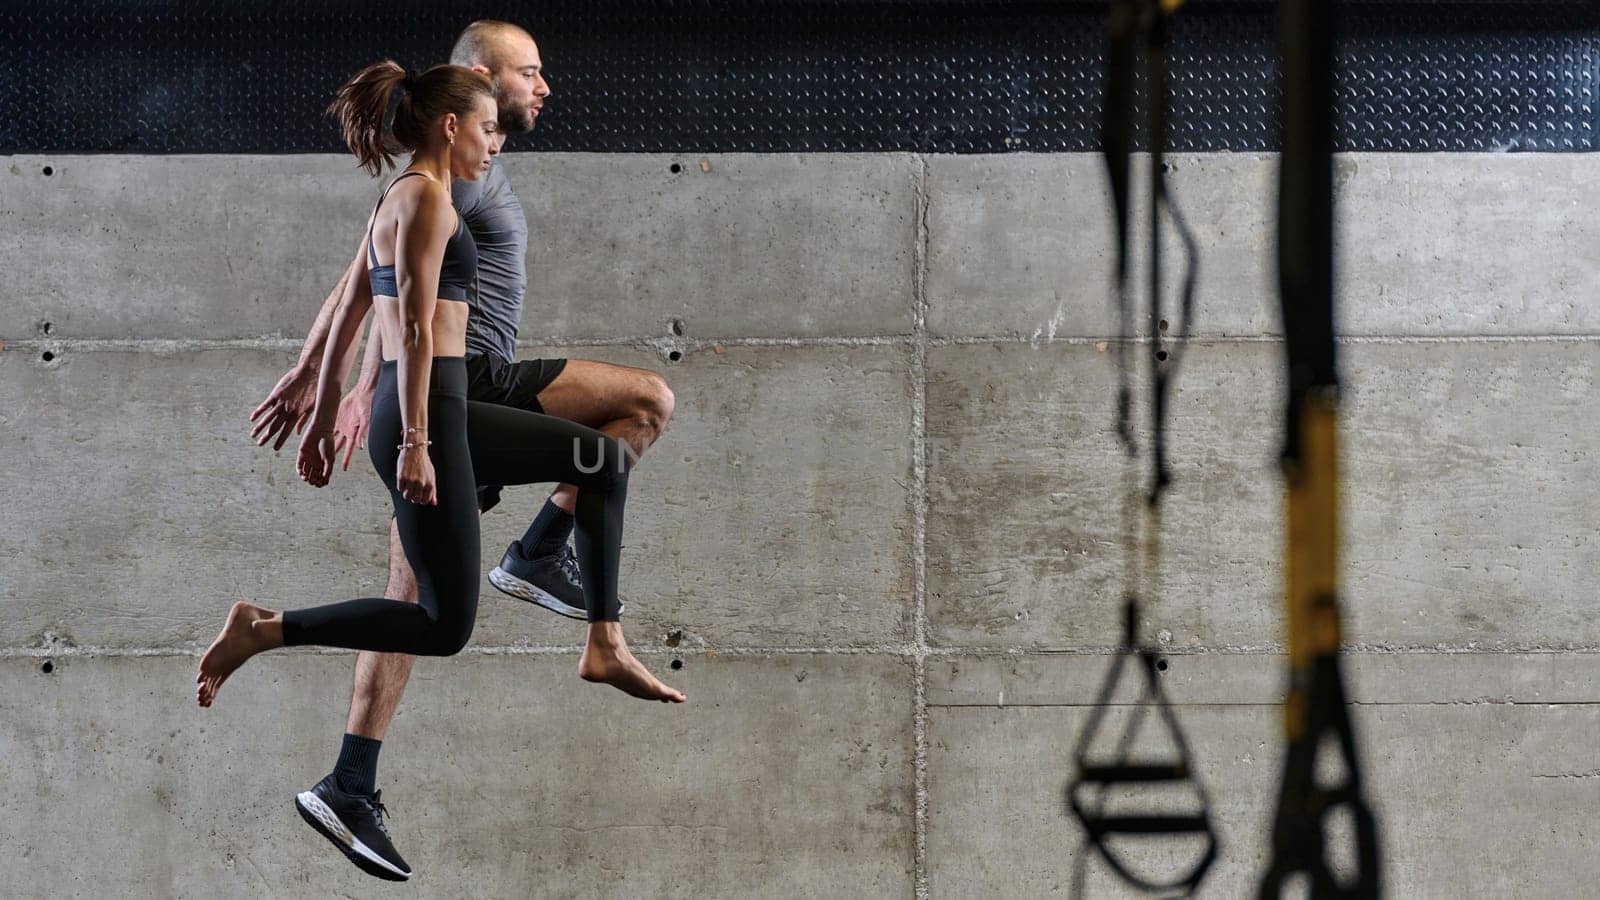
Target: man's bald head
[
  {"x": 486, "y": 43},
  {"x": 508, "y": 55}
]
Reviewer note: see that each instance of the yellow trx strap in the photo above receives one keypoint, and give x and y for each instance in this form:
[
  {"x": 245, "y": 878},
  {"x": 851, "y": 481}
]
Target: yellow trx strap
[{"x": 1315, "y": 713}]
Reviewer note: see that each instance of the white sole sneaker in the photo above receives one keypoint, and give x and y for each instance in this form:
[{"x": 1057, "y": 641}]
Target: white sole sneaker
[
  {"x": 508, "y": 583},
  {"x": 319, "y": 816}
]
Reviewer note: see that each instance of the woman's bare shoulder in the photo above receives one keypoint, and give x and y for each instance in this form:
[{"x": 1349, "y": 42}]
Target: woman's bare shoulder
[{"x": 423, "y": 201}]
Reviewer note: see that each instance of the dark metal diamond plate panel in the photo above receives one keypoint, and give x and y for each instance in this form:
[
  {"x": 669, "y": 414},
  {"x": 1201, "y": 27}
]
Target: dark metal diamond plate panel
[{"x": 782, "y": 75}]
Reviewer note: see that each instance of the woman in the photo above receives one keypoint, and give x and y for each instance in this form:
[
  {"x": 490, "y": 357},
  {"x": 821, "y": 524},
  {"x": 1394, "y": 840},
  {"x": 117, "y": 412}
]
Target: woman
[{"x": 447, "y": 118}]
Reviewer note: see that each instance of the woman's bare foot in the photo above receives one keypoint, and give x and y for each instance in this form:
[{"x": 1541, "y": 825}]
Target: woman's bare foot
[
  {"x": 240, "y": 639},
  {"x": 606, "y": 659}
]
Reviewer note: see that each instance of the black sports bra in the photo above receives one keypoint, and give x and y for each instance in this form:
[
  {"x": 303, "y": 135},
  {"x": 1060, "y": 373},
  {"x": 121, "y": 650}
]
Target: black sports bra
[{"x": 455, "y": 274}]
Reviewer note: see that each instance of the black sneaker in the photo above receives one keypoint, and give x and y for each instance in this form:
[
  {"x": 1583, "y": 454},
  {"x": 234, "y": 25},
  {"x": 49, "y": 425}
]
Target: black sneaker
[
  {"x": 354, "y": 822},
  {"x": 552, "y": 582}
]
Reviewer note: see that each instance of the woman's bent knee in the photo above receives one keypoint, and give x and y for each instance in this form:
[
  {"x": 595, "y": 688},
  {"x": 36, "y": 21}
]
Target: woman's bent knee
[
  {"x": 448, "y": 638},
  {"x": 452, "y": 623},
  {"x": 458, "y": 641}
]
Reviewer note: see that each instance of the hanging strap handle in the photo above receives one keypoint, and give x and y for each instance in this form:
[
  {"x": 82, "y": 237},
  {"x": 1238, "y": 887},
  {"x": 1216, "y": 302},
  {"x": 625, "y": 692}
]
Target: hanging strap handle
[{"x": 1101, "y": 778}]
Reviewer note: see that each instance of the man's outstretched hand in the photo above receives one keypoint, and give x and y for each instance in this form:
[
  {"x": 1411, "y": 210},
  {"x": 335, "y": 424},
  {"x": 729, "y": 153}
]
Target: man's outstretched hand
[{"x": 286, "y": 409}]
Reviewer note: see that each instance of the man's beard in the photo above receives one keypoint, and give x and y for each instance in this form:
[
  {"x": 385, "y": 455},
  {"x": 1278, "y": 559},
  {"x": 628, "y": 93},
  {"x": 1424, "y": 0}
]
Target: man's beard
[
  {"x": 514, "y": 121},
  {"x": 511, "y": 123}
]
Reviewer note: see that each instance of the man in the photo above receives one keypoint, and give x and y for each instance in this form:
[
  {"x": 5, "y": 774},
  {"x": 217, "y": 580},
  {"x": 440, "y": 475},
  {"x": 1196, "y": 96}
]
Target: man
[{"x": 633, "y": 405}]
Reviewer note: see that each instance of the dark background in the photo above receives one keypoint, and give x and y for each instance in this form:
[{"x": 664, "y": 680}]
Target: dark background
[{"x": 775, "y": 76}]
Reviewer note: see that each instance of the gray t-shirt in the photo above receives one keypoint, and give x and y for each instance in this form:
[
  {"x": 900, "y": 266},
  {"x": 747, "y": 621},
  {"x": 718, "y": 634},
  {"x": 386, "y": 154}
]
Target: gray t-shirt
[{"x": 494, "y": 216}]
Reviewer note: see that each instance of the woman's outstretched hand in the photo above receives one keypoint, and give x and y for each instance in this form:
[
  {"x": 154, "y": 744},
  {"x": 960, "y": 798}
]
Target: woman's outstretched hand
[
  {"x": 317, "y": 451},
  {"x": 413, "y": 477},
  {"x": 353, "y": 424}
]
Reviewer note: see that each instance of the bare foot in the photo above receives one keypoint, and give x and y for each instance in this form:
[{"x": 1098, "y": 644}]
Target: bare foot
[
  {"x": 238, "y": 642},
  {"x": 606, "y": 659}
]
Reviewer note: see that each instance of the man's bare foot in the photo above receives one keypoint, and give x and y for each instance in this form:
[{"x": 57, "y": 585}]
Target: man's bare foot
[
  {"x": 606, "y": 659},
  {"x": 239, "y": 641}
]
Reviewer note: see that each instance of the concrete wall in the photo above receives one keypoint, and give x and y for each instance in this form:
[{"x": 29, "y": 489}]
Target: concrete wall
[{"x": 882, "y": 535}]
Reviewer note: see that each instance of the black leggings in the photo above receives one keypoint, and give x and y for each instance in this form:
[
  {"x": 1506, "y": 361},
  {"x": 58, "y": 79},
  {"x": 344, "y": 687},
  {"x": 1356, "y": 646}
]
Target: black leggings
[{"x": 472, "y": 442}]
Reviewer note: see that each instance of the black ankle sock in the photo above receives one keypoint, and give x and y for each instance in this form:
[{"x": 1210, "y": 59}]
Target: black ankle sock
[
  {"x": 357, "y": 770},
  {"x": 548, "y": 533}
]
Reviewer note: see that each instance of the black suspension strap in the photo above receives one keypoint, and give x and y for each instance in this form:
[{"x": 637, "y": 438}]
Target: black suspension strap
[
  {"x": 1167, "y": 360},
  {"x": 1129, "y": 25},
  {"x": 1116, "y": 148},
  {"x": 1133, "y": 23},
  {"x": 1314, "y": 712}
]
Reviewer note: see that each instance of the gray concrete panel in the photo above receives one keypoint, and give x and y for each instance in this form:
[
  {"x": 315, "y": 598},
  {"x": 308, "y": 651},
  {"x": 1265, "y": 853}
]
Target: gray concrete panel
[
  {"x": 241, "y": 246},
  {"x": 733, "y": 245},
  {"x": 1019, "y": 245},
  {"x": 1022, "y": 496},
  {"x": 1472, "y": 799},
  {"x": 775, "y": 512},
  {"x": 1468, "y": 502},
  {"x": 176, "y": 246},
  {"x": 504, "y": 776},
  {"x": 1453, "y": 244}
]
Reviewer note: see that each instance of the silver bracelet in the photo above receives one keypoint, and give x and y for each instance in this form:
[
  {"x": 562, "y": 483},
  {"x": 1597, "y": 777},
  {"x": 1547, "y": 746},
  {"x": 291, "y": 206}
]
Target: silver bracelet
[
  {"x": 409, "y": 444},
  {"x": 416, "y": 431}
]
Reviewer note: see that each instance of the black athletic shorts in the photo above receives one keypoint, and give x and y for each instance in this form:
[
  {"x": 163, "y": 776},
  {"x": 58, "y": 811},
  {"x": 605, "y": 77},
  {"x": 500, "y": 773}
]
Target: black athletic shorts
[{"x": 491, "y": 379}]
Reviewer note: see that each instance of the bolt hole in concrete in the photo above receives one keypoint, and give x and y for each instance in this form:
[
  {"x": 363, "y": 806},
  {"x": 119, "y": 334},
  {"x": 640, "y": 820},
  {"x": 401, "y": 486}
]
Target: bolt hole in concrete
[
  {"x": 48, "y": 667},
  {"x": 1161, "y": 665},
  {"x": 48, "y": 171},
  {"x": 47, "y": 356},
  {"x": 675, "y": 355},
  {"x": 1161, "y": 355},
  {"x": 1163, "y": 325},
  {"x": 44, "y": 327},
  {"x": 675, "y": 168},
  {"x": 678, "y": 327},
  {"x": 677, "y": 664}
]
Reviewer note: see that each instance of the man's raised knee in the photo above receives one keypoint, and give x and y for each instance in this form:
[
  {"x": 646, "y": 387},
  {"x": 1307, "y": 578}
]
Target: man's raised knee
[
  {"x": 619, "y": 462},
  {"x": 658, "y": 403}
]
